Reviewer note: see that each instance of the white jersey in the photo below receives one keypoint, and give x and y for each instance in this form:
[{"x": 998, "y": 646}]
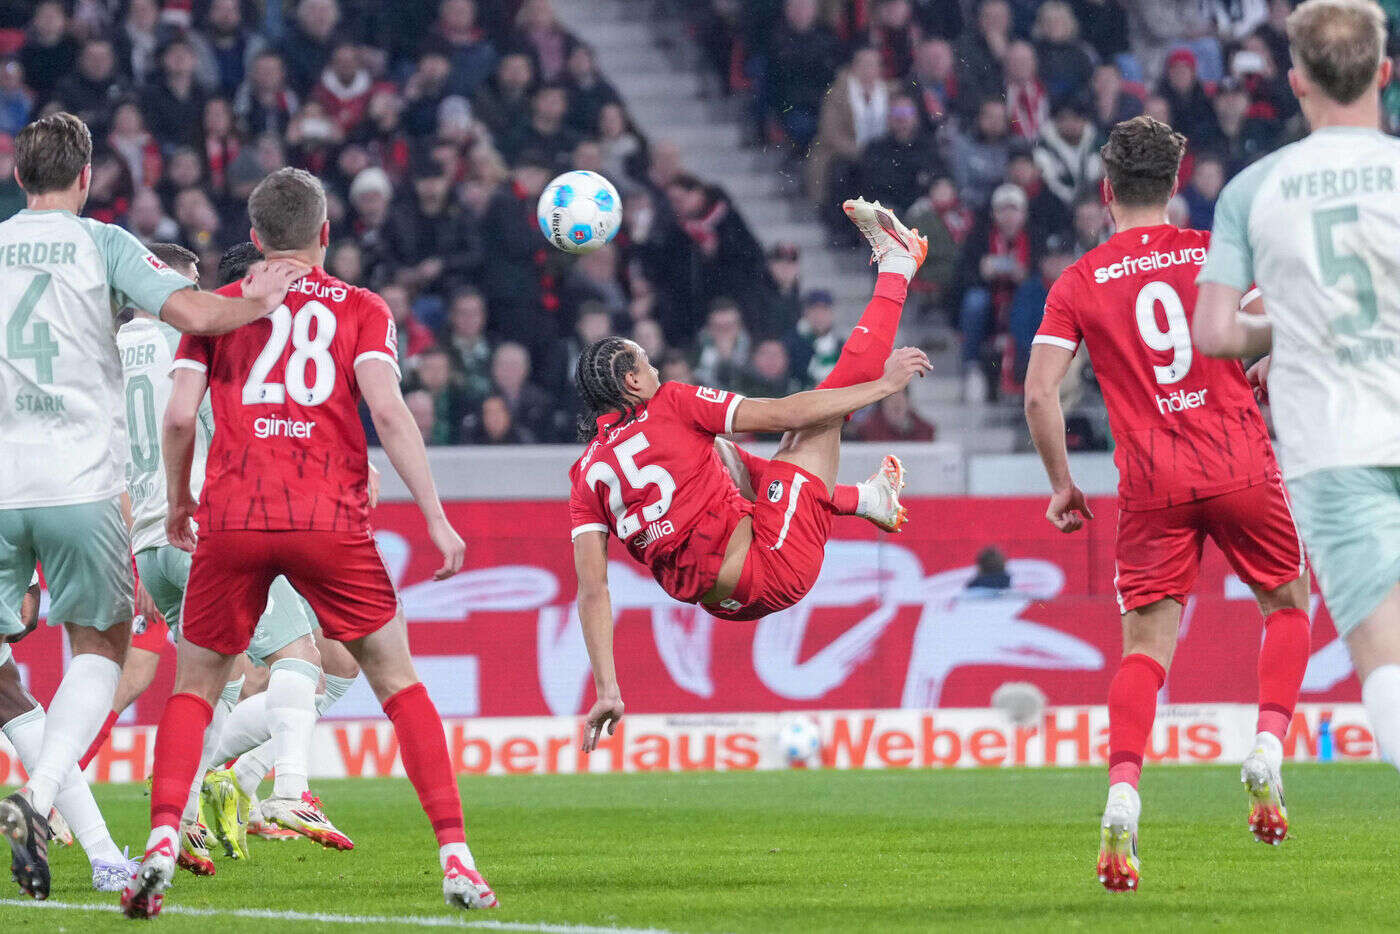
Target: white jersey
[
  {"x": 62, "y": 427},
  {"x": 147, "y": 348},
  {"x": 1316, "y": 226}
]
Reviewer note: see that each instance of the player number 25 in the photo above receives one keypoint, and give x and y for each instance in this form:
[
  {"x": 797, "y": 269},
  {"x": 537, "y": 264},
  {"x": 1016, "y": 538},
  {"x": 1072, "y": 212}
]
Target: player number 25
[
  {"x": 638, "y": 478},
  {"x": 1176, "y": 338},
  {"x": 306, "y": 351}
]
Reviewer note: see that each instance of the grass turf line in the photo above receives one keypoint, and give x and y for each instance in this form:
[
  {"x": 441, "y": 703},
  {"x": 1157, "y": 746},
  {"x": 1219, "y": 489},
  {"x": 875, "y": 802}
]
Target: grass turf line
[{"x": 807, "y": 851}]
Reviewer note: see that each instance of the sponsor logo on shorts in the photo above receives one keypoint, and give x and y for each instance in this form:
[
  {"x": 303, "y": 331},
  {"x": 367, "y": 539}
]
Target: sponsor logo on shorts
[
  {"x": 775, "y": 491},
  {"x": 282, "y": 428},
  {"x": 653, "y": 532},
  {"x": 1180, "y": 401}
]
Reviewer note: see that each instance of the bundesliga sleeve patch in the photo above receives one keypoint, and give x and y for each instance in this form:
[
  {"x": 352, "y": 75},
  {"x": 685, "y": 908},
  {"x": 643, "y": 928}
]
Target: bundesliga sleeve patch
[
  {"x": 155, "y": 263},
  {"x": 711, "y": 395}
]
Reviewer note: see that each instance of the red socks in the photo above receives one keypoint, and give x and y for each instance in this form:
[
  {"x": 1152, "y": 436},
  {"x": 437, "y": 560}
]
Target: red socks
[
  {"x": 1283, "y": 658},
  {"x": 424, "y": 751},
  {"x": 844, "y": 501},
  {"x": 863, "y": 357},
  {"x": 97, "y": 743},
  {"x": 179, "y": 745},
  {"x": 1132, "y": 705}
]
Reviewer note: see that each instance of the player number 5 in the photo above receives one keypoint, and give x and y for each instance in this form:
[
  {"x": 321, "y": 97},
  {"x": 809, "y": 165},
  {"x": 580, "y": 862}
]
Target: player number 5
[
  {"x": 306, "y": 351},
  {"x": 1176, "y": 338},
  {"x": 1336, "y": 265},
  {"x": 638, "y": 478}
]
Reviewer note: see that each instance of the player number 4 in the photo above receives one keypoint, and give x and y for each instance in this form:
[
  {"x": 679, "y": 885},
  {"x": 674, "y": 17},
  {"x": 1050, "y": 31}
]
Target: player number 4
[
  {"x": 306, "y": 351},
  {"x": 638, "y": 478},
  {"x": 1177, "y": 336},
  {"x": 42, "y": 348}
]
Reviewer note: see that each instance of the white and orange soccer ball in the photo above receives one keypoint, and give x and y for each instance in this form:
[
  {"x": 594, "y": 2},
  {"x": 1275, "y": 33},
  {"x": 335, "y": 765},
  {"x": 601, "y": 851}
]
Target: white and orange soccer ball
[{"x": 579, "y": 211}]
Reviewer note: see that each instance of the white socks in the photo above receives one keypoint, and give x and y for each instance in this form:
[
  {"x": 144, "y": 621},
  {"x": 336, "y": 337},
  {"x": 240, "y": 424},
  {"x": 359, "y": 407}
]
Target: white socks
[
  {"x": 291, "y": 713},
  {"x": 246, "y": 728},
  {"x": 458, "y": 850},
  {"x": 79, "y": 706},
  {"x": 228, "y": 697},
  {"x": 74, "y": 800},
  {"x": 336, "y": 687},
  {"x": 866, "y": 499},
  {"x": 901, "y": 263},
  {"x": 1381, "y": 695}
]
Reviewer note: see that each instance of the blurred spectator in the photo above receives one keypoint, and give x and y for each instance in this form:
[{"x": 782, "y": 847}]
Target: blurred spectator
[
  {"x": 724, "y": 346},
  {"x": 496, "y": 425},
  {"x": 894, "y": 167},
  {"x": 618, "y": 142},
  {"x": 1067, "y": 152},
  {"x": 784, "y": 301},
  {"x": 432, "y": 375},
  {"x": 1244, "y": 136},
  {"x": 649, "y": 336},
  {"x": 505, "y": 96},
  {"x": 802, "y": 62},
  {"x": 548, "y": 42},
  {"x": 1192, "y": 112},
  {"x": 894, "y": 32},
  {"x": 592, "y": 278},
  {"x": 545, "y": 132},
  {"x": 1104, "y": 25},
  {"x": 1091, "y": 224},
  {"x": 1028, "y": 305},
  {"x": 265, "y": 103},
  {"x": 465, "y": 341},
  {"x": 231, "y": 43},
  {"x": 589, "y": 91},
  {"x": 307, "y": 49},
  {"x": 675, "y": 368},
  {"x": 893, "y": 419},
  {"x": 345, "y": 86},
  {"x": 855, "y": 112},
  {"x": 979, "y": 158},
  {"x": 531, "y": 408},
  {"x": 137, "y": 147},
  {"x": 512, "y": 280},
  {"x": 174, "y": 105},
  {"x": 424, "y": 93},
  {"x": 424, "y": 411},
  {"x": 221, "y": 144},
  {"x": 1178, "y": 211},
  {"x": 980, "y": 52},
  {"x": 1112, "y": 102},
  {"x": 933, "y": 81},
  {"x": 1156, "y": 27},
  {"x": 1065, "y": 62},
  {"x": 944, "y": 221},
  {"x": 1027, "y": 102},
  {"x": 345, "y": 262},
  {"x": 12, "y": 197},
  {"x": 432, "y": 245},
  {"x": 991, "y": 572},
  {"x": 996, "y": 258},
  {"x": 49, "y": 52},
  {"x": 727, "y": 258},
  {"x": 470, "y": 55},
  {"x": 414, "y": 336},
  {"x": 148, "y": 220},
  {"x": 109, "y": 195},
  {"x": 813, "y": 344},
  {"x": 1046, "y": 213},
  {"x": 93, "y": 91},
  {"x": 1207, "y": 178},
  {"x": 769, "y": 375},
  {"x": 16, "y": 100}
]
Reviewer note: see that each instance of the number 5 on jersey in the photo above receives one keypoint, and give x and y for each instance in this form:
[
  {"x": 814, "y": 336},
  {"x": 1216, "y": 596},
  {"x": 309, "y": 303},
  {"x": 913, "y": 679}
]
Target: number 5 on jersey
[{"x": 306, "y": 351}]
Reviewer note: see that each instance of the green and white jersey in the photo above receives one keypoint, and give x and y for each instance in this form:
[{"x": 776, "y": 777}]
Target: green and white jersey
[
  {"x": 147, "y": 348},
  {"x": 62, "y": 427},
  {"x": 1316, "y": 226}
]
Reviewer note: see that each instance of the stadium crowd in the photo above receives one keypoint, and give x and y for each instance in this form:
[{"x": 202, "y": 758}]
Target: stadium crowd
[{"x": 436, "y": 124}]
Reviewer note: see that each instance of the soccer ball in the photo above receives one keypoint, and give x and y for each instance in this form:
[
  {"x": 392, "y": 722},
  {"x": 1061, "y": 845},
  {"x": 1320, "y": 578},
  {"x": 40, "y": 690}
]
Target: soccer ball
[
  {"x": 579, "y": 211},
  {"x": 800, "y": 742}
]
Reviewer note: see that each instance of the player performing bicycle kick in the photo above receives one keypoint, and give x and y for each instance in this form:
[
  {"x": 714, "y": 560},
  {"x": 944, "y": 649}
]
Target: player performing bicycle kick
[{"x": 655, "y": 475}]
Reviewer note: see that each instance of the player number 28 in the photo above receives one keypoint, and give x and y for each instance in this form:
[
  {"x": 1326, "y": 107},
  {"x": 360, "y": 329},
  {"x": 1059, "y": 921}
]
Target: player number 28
[
  {"x": 306, "y": 351},
  {"x": 638, "y": 478},
  {"x": 1176, "y": 338}
]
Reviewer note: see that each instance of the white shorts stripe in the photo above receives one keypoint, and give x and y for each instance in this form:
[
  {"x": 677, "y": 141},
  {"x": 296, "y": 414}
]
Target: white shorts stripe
[{"x": 797, "y": 481}]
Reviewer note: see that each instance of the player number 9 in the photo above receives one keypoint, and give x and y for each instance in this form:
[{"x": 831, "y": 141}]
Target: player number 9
[{"x": 1176, "y": 338}]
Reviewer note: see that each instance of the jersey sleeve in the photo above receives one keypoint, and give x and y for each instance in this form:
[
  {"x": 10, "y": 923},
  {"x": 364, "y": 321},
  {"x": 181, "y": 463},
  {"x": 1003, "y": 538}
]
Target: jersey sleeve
[
  {"x": 193, "y": 353},
  {"x": 1230, "y": 260},
  {"x": 378, "y": 338},
  {"x": 708, "y": 410},
  {"x": 1060, "y": 325},
  {"x": 585, "y": 512},
  {"x": 134, "y": 273}
]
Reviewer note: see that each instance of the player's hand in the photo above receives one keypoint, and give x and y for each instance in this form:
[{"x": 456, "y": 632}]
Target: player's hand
[
  {"x": 605, "y": 712},
  {"x": 903, "y": 365},
  {"x": 145, "y": 606},
  {"x": 450, "y": 544},
  {"x": 269, "y": 280},
  {"x": 1068, "y": 509},
  {"x": 373, "y": 487},
  {"x": 1258, "y": 376},
  {"x": 179, "y": 525}
]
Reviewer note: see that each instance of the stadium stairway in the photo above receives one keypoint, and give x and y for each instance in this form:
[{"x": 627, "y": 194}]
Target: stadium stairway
[{"x": 649, "y": 57}]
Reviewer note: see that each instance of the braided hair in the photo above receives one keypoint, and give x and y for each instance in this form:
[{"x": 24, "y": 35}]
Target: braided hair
[{"x": 600, "y": 375}]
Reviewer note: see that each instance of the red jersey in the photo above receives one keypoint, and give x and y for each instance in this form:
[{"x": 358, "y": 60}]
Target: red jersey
[
  {"x": 656, "y": 482},
  {"x": 1186, "y": 425},
  {"x": 288, "y": 451}
]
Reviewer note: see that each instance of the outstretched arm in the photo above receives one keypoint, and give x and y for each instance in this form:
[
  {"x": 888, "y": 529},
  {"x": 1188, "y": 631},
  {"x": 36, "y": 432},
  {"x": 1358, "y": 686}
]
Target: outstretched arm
[
  {"x": 1221, "y": 329},
  {"x": 196, "y": 312},
  {"x": 1068, "y": 509},
  {"x": 177, "y": 449},
  {"x": 818, "y": 406},
  {"x": 596, "y": 616}
]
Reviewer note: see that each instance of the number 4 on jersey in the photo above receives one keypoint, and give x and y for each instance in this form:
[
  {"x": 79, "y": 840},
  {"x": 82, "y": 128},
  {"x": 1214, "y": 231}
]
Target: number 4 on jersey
[{"x": 43, "y": 348}]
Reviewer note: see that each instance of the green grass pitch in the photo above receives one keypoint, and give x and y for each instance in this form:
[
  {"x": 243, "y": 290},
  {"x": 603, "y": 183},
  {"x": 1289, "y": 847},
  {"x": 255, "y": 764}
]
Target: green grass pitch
[{"x": 802, "y": 851}]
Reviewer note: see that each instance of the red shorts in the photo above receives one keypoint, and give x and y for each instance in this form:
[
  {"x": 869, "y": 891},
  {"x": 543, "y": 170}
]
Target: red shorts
[
  {"x": 1159, "y": 550},
  {"x": 153, "y": 637},
  {"x": 339, "y": 573},
  {"x": 791, "y": 523}
]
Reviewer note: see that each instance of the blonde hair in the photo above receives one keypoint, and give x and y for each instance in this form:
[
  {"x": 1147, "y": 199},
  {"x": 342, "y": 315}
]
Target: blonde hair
[
  {"x": 1044, "y": 13},
  {"x": 1339, "y": 44}
]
